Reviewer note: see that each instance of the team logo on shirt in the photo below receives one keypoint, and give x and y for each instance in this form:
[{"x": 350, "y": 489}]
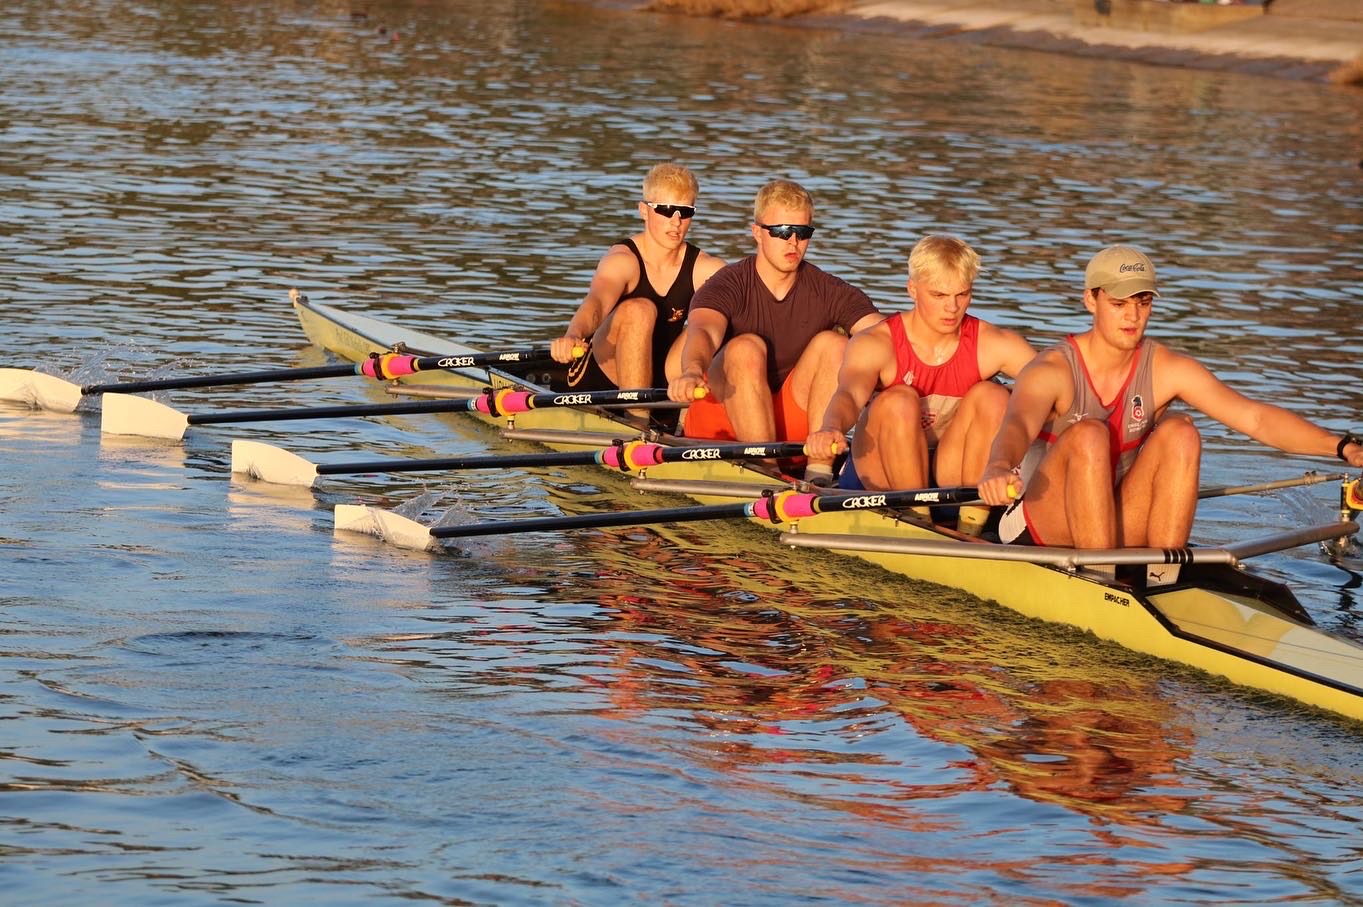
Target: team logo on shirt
[
  {"x": 1137, "y": 415},
  {"x": 675, "y": 315}
]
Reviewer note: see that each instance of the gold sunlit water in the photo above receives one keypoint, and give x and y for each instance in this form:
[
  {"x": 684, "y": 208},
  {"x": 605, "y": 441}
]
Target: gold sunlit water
[{"x": 207, "y": 695}]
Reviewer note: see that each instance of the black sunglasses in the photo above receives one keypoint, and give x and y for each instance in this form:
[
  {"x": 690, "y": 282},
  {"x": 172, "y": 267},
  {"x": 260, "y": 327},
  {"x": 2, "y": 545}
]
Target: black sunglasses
[
  {"x": 686, "y": 211},
  {"x": 801, "y": 232}
]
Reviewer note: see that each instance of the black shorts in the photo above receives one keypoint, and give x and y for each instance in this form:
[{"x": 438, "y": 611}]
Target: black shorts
[{"x": 585, "y": 374}]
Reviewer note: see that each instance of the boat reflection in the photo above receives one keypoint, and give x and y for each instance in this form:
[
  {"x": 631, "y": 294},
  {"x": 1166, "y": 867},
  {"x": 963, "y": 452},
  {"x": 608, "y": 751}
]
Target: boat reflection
[{"x": 824, "y": 676}]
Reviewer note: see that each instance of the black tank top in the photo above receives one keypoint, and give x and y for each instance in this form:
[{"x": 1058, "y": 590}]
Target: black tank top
[{"x": 671, "y": 320}]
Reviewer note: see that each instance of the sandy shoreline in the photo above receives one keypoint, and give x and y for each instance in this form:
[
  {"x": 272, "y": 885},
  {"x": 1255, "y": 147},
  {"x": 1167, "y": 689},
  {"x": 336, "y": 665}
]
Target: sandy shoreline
[{"x": 1312, "y": 40}]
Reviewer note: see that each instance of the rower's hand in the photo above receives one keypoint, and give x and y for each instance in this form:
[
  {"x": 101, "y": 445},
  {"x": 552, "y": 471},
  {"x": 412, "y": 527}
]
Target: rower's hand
[
  {"x": 1000, "y": 486},
  {"x": 567, "y": 348},
  {"x": 823, "y": 446},
  {"x": 682, "y": 389}
]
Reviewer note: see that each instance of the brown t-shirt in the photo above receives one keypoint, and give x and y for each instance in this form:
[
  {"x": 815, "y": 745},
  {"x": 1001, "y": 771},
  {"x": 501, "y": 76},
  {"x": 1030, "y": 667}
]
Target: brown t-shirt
[{"x": 817, "y": 302}]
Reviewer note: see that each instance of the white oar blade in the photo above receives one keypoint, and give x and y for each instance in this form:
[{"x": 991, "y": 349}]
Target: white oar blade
[
  {"x": 271, "y": 464},
  {"x": 37, "y": 389},
  {"x": 125, "y": 414},
  {"x": 392, "y": 528}
]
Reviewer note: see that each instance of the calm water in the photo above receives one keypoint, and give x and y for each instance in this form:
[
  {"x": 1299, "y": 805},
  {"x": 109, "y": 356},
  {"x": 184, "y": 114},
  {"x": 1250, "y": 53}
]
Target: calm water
[{"x": 208, "y": 697}]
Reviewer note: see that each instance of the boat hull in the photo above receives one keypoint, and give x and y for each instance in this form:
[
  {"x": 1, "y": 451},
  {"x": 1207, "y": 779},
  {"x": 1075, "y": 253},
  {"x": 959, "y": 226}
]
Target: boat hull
[{"x": 1226, "y": 621}]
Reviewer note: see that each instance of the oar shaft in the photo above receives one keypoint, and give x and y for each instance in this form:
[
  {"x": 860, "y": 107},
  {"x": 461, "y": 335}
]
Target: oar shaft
[
  {"x": 776, "y": 509},
  {"x": 393, "y": 365},
  {"x": 508, "y": 400},
  {"x": 593, "y": 520},
  {"x": 408, "y": 408},
  {"x": 165, "y": 384},
  {"x": 1310, "y": 478},
  {"x": 635, "y": 455},
  {"x": 567, "y": 458},
  {"x": 388, "y": 365}
]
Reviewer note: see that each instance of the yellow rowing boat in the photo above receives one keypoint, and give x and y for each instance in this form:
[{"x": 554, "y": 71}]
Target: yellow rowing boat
[{"x": 1216, "y": 616}]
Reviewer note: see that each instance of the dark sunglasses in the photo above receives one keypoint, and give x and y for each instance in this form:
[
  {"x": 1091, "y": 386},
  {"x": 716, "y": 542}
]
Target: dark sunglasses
[
  {"x": 686, "y": 211},
  {"x": 801, "y": 232}
]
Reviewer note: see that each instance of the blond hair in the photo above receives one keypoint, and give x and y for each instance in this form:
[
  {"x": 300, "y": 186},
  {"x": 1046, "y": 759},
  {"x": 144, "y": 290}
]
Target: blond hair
[
  {"x": 941, "y": 255},
  {"x": 784, "y": 193},
  {"x": 670, "y": 176}
]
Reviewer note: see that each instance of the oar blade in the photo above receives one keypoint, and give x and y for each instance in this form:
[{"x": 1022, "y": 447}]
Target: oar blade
[
  {"x": 393, "y": 528},
  {"x": 268, "y": 463},
  {"x": 23, "y": 385},
  {"x": 125, "y": 414}
]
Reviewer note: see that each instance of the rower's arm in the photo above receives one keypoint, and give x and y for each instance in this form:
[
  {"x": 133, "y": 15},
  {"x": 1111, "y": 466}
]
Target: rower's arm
[
  {"x": 1038, "y": 389},
  {"x": 704, "y": 334},
  {"x": 1002, "y": 350},
  {"x": 1264, "y": 422},
  {"x": 616, "y": 270},
  {"x": 705, "y": 268},
  {"x": 862, "y": 364}
]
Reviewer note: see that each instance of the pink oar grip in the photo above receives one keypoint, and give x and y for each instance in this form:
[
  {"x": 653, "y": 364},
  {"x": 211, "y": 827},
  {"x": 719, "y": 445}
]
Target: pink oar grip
[
  {"x": 636, "y": 455},
  {"x": 508, "y": 401},
  {"x": 788, "y": 506},
  {"x": 795, "y": 506},
  {"x": 639, "y": 456},
  {"x": 515, "y": 402},
  {"x": 400, "y": 365},
  {"x": 389, "y": 366}
]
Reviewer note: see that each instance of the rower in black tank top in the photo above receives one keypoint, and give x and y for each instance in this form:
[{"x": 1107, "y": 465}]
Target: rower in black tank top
[{"x": 585, "y": 375}]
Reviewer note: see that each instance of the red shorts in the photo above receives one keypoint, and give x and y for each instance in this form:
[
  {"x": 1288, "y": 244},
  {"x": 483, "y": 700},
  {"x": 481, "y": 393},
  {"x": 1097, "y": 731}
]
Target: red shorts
[{"x": 706, "y": 418}]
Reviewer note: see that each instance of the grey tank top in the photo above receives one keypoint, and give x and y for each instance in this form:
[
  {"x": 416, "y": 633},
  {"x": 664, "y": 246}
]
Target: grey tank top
[{"x": 1129, "y": 416}]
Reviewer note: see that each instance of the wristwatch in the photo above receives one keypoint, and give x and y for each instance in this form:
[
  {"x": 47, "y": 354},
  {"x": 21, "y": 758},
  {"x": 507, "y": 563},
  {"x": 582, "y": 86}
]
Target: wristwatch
[{"x": 1348, "y": 438}]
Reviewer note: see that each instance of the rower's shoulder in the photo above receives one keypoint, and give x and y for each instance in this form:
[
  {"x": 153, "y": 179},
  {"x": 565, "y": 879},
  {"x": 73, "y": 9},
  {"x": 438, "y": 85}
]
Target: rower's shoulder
[
  {"x": 988, "y": 332},
  {"x": 621, "y": 254},
  {"x": 706, "y": 266}
]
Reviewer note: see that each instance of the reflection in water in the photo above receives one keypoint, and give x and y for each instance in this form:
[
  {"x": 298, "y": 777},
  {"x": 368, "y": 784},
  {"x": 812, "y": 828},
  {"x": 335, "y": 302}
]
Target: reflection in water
[{"x": 780, "y": 668}]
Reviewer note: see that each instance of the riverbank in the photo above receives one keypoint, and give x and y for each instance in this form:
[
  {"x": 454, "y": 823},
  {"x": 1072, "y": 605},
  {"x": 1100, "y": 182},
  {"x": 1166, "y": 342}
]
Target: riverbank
[{"x": 1313, "y": 40}]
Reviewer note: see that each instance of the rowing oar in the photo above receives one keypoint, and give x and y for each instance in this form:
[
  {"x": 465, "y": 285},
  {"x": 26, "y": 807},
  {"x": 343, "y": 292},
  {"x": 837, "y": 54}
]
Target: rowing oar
[
  {"x": 128, "y": 415},
  {"x": 50, "y": 392},
  {"x": 273, "y": 464},
  {"x": 776, "y": 509}
]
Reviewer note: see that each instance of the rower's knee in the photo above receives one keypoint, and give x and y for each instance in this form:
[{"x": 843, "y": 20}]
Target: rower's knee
[
  {"x": 1087, "y": 439},
  {"x": 743, "y": 358},
  {"x": 985, "y": 403},
  {"x": 826, "y": 349},
  {"x": 1178, "y": 438},
  {"x": 897, "y": 405},
  {"x": 636, "y": 314}
]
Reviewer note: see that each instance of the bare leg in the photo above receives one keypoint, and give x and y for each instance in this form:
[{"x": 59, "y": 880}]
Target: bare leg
[
  {"x": 738, "y": 378},
  {"x": 623, "y": 345},
  {"x": 1157, "y": 498},
  {"x": 814, "y": 380},
  {"x": 1070, "y": 498},
  {"x": 889, "y": 448},
  {"x": 963, "y": 448}
]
